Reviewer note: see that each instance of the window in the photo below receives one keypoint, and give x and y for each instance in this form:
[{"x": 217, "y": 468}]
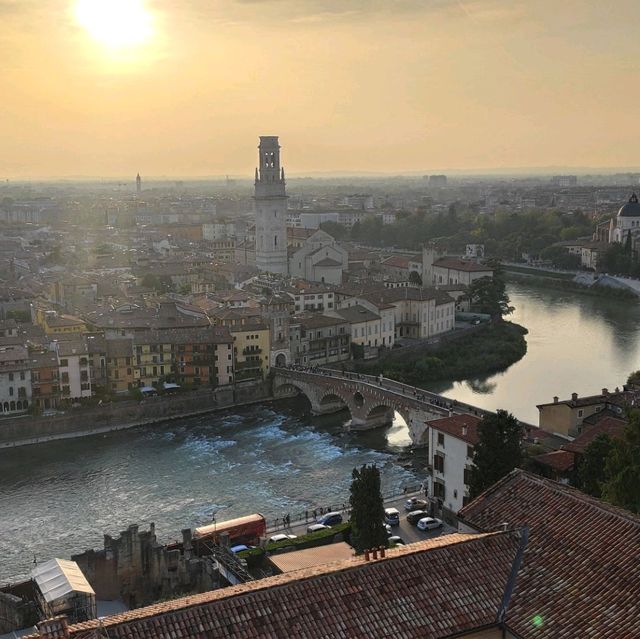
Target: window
[
  {"x": 65, "y": 378},
  {"x": 470, "y": 452},
  {"x": 441, "y": 439},
  {"x": 10, "y": 377},
  {"x": 580, "y": 413},
  {"x": 22, "y": 375},
  {"x": 438, "y": 489},
  {"x": 64, "y": 362},
  {"x": 438, "y": 463},
  {"x": 467, "y": 476}
]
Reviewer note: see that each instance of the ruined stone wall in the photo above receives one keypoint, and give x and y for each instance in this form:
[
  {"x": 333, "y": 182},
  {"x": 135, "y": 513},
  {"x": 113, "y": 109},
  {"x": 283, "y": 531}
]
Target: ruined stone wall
[{"x": 135, "y": 568}]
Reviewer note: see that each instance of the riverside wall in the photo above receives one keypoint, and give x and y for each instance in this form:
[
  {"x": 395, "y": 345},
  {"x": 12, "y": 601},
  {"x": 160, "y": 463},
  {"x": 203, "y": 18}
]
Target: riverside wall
[{"x": 82, "y": 422}]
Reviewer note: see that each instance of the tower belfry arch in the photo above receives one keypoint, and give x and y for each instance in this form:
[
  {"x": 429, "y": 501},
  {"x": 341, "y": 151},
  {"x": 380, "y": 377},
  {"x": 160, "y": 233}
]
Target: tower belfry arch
[{"x": 270, "y": 208}]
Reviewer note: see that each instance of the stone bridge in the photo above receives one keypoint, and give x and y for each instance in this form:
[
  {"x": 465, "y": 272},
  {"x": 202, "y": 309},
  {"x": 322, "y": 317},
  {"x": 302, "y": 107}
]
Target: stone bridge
[{"x": 371, "y": 401}]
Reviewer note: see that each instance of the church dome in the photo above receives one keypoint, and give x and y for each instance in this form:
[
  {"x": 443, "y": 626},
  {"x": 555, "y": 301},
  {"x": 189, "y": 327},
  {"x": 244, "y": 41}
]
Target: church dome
[{"x": 631, "y": 208}]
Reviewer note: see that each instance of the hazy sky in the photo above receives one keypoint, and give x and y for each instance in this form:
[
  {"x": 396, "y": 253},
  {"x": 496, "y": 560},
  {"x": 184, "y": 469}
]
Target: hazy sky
[{"x": 348, "y": 85}]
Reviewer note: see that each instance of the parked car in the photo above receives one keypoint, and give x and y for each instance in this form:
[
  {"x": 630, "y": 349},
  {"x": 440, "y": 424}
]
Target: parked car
[
  {"x": 240, "y": 547},
  {"x": 330, "y": 519},
  {"x": 415, "y": 503},
  {"x": 316, "y": 527},
  {"x": 392, "y": 516},
  {"x": 429, "y": 523},
  {"x": 415, "y": 516},
  {"x": 395, "y": 539},
  {"x": 281, "y": 537}
]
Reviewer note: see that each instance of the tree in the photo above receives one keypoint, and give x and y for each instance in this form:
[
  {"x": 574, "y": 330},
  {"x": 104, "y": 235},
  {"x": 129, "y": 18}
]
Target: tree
[
  {"x": 488, "y": 295},
  {"x": 622, "y": 486},
  {"x": 497, "y": 452},
  {"x": 414, "y": 278},
  {"x": 367, "y": 510},
  {"x": 591, "y": 472},
  {"x": 634, "y": 378}
]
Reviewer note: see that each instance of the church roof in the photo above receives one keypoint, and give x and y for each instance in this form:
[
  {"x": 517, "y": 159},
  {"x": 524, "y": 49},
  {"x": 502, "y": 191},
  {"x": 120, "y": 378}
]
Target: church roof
[{"x": 631, "y": 208}]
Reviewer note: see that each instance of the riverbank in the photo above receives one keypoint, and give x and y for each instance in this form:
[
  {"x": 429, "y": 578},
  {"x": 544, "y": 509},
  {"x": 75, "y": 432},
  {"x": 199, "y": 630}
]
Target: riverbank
[
  {"x": 84, "y": 422},
  {"x": 485, "y": 352},
  {"x": 562, "y": 282}
]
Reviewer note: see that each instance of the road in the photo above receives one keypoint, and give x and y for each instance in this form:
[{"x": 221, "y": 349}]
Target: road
[{"x": 410, "y": 534}]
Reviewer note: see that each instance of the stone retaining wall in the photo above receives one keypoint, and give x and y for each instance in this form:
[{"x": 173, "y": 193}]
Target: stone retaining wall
[{"x": 80, "y": 422}]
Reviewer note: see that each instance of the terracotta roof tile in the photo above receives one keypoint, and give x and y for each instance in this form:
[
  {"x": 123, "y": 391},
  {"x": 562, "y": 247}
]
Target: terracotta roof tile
[
  {"x": 464, "y": 427},
  {"x": 611, "y": 426},
  {"x": 427, "y": 590},
  {"x": 582, "y": 564}
]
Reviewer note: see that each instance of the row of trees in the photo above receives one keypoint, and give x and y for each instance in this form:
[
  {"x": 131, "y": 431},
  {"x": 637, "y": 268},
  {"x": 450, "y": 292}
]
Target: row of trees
[{"x": 505, "y": 235}]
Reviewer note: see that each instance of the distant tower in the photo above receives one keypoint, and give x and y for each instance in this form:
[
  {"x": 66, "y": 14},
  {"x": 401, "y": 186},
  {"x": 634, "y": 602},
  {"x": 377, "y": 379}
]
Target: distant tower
[
  {"x": 138, "y": 183},
  {"x": 270, "y": 206}
]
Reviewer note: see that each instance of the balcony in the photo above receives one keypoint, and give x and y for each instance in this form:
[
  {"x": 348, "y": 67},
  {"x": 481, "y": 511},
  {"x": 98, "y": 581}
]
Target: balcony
[{"x": 252, "y": 350}]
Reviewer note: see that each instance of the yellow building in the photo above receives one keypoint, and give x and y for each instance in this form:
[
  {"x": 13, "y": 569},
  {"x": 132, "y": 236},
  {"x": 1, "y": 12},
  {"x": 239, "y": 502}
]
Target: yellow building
[
  {"x": 54, "y": 323},
  {"x": 251, "y": 344},
  {"x": 565, "y": 417}
]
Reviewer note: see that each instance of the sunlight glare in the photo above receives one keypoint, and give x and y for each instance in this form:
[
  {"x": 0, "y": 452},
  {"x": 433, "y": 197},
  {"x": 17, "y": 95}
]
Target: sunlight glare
[{"x": 115, "y": 23}]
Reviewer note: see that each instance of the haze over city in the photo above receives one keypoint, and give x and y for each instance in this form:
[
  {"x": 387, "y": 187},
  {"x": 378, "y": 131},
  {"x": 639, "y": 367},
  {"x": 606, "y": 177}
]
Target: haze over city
[{"x": 178, "y": 87}]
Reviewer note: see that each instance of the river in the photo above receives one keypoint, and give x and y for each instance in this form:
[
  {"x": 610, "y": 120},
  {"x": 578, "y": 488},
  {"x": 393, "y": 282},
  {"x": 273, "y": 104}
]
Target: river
[
  {"x": 576, "y": 343},
  {"x": 59, "y": 498}
]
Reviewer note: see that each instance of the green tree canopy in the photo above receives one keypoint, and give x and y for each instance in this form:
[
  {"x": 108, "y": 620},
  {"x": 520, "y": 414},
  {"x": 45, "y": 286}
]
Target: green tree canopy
[
  {"x": 591, "y": 472},
  {"x": 367, "y": 509},
  {"x": 622, "y": 486},
  {"x": 497, "y": 452},
  {"x": 488, "y": 295}
]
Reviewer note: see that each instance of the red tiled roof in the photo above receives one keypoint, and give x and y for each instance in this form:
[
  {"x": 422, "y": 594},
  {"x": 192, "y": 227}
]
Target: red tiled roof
[
  {"x": 559, "y": 460},
  {"x": 462, "y": 265},
  {"x": 396, "y": 261},
  {"x": 611, "y": 426},
  {"x": 428, "y": 590},
  {"x": 582, "y": 564},
  {"x": 455, "y": 426}
]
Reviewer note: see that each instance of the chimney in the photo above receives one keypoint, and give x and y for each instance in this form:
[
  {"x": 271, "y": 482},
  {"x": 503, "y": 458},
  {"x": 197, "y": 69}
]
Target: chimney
[
  {"x": 605, "y": 391},
  {"x": 56, "y": 628},
  {"x": 574, "y": 397},
  {"x": 375, "y": 553},
  {"x": 464, "y": 430},
  {"x": 381, "y": 552},
  {"x": 366, "y": 555},
  {"x": 555, "y": 400}
]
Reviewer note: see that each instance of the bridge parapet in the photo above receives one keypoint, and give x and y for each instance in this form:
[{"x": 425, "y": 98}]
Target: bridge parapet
[{"x": 370, "y": 400}]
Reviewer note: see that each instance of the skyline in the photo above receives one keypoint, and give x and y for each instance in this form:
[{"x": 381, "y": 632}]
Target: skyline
[{"x": 351, "y": 88}]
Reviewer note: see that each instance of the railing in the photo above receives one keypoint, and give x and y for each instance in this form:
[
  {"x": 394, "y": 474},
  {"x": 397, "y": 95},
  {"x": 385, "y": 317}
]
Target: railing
[
  {"x": 289, "y": 520},
  {"x": 229, "y": 565},
  {"x": 404, "y": 391}
]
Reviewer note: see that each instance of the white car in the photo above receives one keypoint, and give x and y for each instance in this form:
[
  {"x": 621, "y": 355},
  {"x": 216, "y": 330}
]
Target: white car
[
  {"x": 281, "y": 537},
  {"x": 429, "y": 523},
  {"x": 316, "y": 527}
]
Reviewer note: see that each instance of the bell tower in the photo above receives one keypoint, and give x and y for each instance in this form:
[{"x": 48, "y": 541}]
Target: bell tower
[{"x": 270, "y": 207}]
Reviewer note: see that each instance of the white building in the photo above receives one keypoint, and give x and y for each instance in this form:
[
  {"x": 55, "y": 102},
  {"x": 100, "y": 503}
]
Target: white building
[
  {"x": 73, "y": 363},
  {"x": 451, "y": 442},
  {"x": 270, "y": 205},
  {"x": 626, "y": 222},
  {"x": 15, "y": 380},
  {"x": 311, "y": 299},
  {"x": 386, "y": 313},
  {"x": 438, "y": 269},
  {"x": 319, "y": 259}
]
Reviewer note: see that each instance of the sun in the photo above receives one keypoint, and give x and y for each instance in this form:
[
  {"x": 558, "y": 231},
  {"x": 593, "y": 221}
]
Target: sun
[{"x": 115, "y": 23}]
